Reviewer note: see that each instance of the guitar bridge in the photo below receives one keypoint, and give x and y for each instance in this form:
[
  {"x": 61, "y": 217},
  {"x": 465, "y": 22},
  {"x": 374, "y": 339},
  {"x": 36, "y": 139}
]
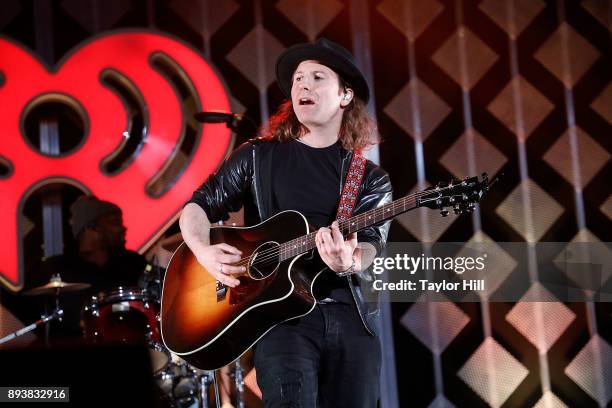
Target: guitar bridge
[{"x": 221, "y": 290}]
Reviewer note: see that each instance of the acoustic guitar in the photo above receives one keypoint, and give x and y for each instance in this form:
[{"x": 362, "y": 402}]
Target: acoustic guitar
[{"x": 210, "y": 325}]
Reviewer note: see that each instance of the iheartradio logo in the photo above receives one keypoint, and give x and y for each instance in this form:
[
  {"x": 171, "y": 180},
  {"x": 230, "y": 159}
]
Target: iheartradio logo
[{"x": 135, "y": 94}]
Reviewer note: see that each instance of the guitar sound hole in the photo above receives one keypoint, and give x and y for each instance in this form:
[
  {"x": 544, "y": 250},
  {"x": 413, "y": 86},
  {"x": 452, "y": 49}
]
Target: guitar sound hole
[{"x": 264, "y": 260}]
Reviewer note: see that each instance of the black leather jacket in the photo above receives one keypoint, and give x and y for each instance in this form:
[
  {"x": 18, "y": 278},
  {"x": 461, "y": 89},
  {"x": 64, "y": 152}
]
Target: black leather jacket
[{"x": 244, "y": 179}]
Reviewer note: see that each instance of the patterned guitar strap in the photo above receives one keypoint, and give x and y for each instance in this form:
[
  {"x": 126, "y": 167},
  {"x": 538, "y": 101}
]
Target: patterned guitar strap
[{"x": 351, "y": 187}]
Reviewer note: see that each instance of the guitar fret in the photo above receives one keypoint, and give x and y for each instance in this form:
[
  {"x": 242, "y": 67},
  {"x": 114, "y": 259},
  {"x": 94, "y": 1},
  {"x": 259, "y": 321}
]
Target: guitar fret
[
  {"x": 460, "y": 196},
  {"x": 353, "y": 224}
]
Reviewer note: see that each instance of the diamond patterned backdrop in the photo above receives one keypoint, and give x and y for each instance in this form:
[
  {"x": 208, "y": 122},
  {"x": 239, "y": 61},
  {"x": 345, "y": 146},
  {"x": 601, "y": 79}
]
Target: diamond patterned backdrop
[
  {"x": 463, "y": 86},
  {"x": 505, "y": 86}
]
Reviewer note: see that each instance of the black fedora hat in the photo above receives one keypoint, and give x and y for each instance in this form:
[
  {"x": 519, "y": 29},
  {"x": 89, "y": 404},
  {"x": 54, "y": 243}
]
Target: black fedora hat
[{"x": 327, "y": 53}]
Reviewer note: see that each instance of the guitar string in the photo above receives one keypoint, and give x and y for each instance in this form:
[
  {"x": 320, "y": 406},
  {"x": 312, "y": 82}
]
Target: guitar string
[
  {"x": 271, "y": 254},
  {"x": 358, "y": 218}
]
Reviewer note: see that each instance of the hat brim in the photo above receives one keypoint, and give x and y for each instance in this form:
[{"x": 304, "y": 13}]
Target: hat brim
[{"x": 289, "y": 60}]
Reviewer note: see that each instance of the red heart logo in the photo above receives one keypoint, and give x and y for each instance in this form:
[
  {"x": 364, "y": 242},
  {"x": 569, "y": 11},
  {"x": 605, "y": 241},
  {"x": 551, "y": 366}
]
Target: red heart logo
[{"x": 136, "y": 60}]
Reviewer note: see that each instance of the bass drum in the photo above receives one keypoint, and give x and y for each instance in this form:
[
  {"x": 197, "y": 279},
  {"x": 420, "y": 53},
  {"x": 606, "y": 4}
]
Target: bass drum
[{"x": 125, "y": 315}]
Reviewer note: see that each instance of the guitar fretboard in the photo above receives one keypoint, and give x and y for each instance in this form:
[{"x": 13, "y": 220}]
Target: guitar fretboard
[{"x": 356, "y": 223}]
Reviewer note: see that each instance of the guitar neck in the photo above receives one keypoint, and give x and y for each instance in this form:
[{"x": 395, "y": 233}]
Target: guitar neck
[{"x": 354, "y": 224}]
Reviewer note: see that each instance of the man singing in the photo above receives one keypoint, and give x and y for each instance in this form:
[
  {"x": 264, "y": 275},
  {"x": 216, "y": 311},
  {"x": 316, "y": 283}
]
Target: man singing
[{"x": 331, "y": 356}]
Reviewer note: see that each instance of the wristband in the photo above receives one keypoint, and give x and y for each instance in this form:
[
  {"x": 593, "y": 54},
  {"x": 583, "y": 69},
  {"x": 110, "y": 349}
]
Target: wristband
[{"x": 349, "y": 271}]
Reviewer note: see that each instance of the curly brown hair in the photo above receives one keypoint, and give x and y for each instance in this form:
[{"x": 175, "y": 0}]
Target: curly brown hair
[{"x": 357, "y": 130}]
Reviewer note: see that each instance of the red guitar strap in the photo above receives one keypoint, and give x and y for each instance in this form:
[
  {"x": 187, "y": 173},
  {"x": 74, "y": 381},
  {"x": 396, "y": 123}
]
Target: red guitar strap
[{"x": 351, "y": 187}]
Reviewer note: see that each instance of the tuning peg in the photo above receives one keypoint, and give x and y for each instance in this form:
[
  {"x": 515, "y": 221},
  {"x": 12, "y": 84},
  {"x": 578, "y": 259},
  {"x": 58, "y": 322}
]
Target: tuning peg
[{"x": 444, "y": 212}]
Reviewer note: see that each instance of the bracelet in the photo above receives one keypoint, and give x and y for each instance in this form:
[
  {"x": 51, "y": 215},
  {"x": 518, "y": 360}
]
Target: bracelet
[{"x": 349, "y": 271}]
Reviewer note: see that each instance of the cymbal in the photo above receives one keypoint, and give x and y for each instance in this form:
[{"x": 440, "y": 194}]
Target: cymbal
[{"x": 56, "y": 285}]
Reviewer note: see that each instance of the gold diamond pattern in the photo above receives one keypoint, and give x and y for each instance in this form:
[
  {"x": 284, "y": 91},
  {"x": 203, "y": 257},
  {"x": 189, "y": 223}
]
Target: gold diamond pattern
[
  {"x": 540, "y": 317},
  {"x": 544, "y": 210},
  {"x": 219, "y": 12},
  {"x": 534, "y": 107},
  {"x": 425, "y": 224},
  {"x": 549, "y": 400},
  {"x": 498, "y": 266},
  {"x": 584, "y": 235},
  {"x": 492, "y": 372},
  {"x": 601, "y": 10},
  {"x": 435, "y": 322},
  {"x": 478, "y": 57},
  {"x": 606, "y": 207},
  {"x": 567, "y": 43},
  {"x": 210, "y": 15},
  {"x": 441, "y": 402},
  {"x": 513, "y": 16},
  {"x": 603, "y": 103},
  {"x": 420, "y": 118},
  {"x": 591, "y": 369},
  {"x": 255, "y": 57},
  {"x": 572, "y": 261},
  {"x": 95, "y": 16},
  {"x": 486, "y": 157},
  {"x": 591, "y": 157},
  {"x": 310, "y": 16},
  {"x": 411, "y": 17}
]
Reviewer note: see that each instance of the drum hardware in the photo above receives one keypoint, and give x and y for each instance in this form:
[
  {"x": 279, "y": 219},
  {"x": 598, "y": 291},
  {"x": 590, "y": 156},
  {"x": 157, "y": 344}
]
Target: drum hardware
[
  {"x": 56, "y": 286},
  {"x": 187, "y": 386},
  {"x": 159, "y": 355},
  {"x": 124, "y": 315},
  {"x": 137, "y": 315},
  {"x": 204, "y": 383},
  {"x": 152, "y": 279},
  {"x": 205, "y": 380},
  {"x": 44, "y": 319},
  {"x": 200, "y": 381},
  {"x": 216, "y": 389},
  {"x": 237, "y": 374}
]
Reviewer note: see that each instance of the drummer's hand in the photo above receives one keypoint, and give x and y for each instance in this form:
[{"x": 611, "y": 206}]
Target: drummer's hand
[{"x": 218, "y": 259}]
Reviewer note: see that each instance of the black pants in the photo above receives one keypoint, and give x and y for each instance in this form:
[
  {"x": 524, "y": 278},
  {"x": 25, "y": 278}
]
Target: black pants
[{"x": 324, "y": 359}]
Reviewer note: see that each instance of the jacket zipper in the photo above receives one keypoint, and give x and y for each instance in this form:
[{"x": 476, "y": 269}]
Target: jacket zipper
[{"x": 255, "y": 187}]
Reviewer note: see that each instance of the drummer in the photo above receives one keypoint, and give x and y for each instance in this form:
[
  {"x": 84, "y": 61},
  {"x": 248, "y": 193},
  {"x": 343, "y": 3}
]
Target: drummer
[{"x": 99, "y": 258}]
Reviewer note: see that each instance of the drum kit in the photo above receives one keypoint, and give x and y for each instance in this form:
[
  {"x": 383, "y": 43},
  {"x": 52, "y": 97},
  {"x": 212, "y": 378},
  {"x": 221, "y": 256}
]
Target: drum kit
[{"x": 130, "y": 315}]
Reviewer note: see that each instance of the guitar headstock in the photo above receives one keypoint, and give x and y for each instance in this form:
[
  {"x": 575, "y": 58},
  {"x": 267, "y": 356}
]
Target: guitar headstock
[{"x": 459, "y": 195}]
